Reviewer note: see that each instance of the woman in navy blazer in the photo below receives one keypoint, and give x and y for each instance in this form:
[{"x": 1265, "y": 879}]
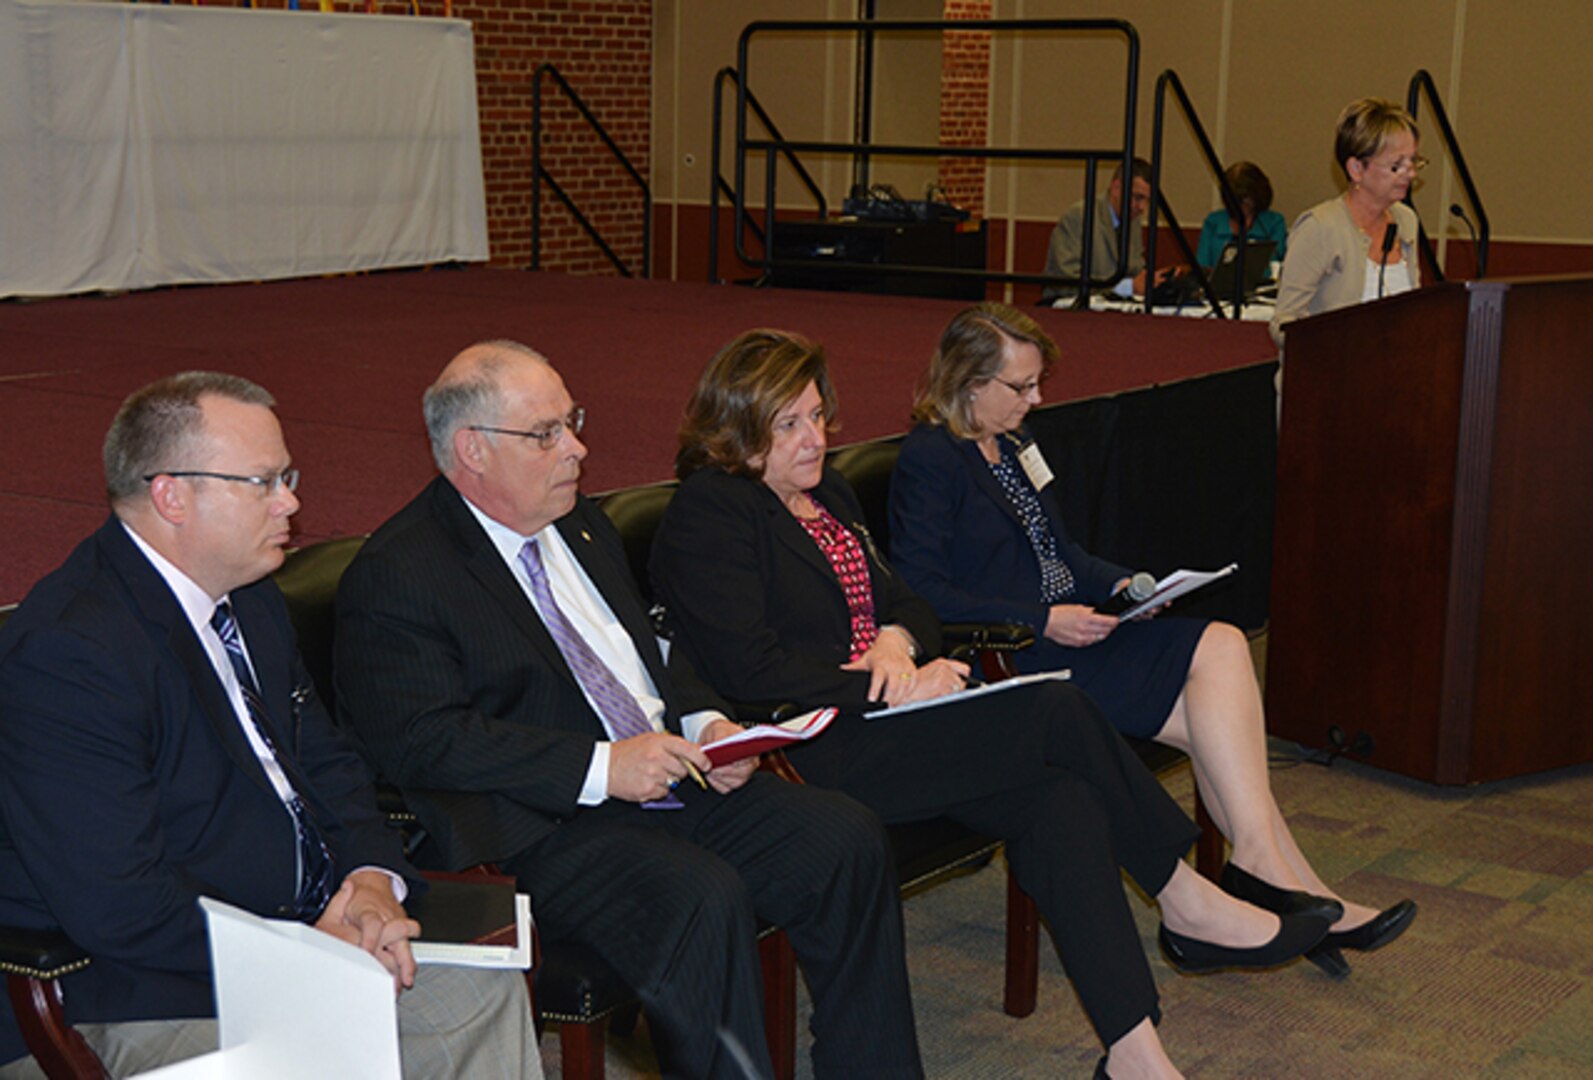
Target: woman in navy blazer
[{"x": 976, "y": 529}]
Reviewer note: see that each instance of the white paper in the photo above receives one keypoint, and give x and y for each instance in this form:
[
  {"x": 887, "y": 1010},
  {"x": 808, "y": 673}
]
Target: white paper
[
  {"x": 972, "y": 692},
  {"x": 1178, "y": 583},
  {"x": 293, "y": 1001}
]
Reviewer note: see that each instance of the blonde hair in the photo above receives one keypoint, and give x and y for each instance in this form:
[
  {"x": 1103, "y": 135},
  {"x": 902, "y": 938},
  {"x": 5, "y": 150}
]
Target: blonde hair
[
  {"x": 972, "y": 351},
  {"x": 1365, "y": 126}
]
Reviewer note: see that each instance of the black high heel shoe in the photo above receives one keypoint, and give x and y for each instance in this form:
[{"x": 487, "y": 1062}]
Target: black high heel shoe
[
  {"x": 1296, "y": 935},
  {"x": 1246, "y": 886},
  {"x": 1377, "y": 931}
]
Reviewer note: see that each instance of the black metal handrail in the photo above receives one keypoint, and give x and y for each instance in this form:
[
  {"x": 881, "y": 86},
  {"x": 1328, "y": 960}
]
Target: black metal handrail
[
  {"x": 1418, "y": 82},
  {"x": 770, "y": 147},
  {"x": 539, "y": 174},
  {"x": 718, "y": 184},
  {"x": 1169, "y": 80}
]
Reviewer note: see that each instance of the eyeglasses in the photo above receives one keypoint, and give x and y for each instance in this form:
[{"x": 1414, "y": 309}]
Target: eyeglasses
[
  {"x": 1021, "y": 389},
  {"x": 1405, "y": 165},
  {"x": 266, "y": 484},
  {"x": 548, "y": 437}
]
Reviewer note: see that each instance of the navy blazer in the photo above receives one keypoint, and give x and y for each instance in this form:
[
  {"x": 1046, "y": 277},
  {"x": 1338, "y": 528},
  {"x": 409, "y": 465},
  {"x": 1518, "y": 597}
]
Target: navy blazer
[
  {"x": 958, "y": 540},
  {"x": 129, "y": 788},
  {"x": 457, "y": 690}
]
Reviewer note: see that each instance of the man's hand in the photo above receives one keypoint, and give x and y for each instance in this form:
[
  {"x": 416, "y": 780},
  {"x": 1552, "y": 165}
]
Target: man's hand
[
  {"x": 645, "y": 767},
  {"x": 365, "y": 912},
  {"x": 726, "y": 778}
]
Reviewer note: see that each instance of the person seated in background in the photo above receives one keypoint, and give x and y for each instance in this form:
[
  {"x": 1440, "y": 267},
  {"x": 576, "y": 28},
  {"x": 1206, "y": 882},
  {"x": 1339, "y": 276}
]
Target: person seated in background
[
  {"x": 1066, "y": 253},
  {"x": 1361, "y": 245},
  {"x": 496, "y": 658},
  {"x": 1261, "y": 222},
  {"x": 977, "y": 529},
  {"x": 774, "y": 590},
  {"x": 160, "y": 741}
]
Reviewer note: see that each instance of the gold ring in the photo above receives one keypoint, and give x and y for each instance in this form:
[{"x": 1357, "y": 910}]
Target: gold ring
[{"x": 907, "y": 674}]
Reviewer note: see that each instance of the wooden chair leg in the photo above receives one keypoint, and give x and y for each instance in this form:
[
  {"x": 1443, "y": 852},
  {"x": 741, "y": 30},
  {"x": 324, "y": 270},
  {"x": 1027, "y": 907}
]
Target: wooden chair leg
[
  {"x": 779, "y": 1001},
  {"x": 57, "y": 1047},
  {"x": 581, "y": 1046},
  {"x": 1023, "y": 951},
  {"x": 1210, "y": 849}
]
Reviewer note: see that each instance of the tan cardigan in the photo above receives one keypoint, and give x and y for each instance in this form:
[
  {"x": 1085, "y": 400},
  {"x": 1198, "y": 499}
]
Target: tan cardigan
[{"x": 1326, "y": 265}]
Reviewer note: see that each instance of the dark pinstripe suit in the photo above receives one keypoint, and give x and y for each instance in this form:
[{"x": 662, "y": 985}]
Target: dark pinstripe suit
[{"x": 446, "y": 672}]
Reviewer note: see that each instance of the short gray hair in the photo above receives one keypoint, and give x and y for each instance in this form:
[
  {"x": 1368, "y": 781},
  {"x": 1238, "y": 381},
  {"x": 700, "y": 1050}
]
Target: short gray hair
[
  {"x": 458, "y": 401},
  {"x": 158, "y": 425}
]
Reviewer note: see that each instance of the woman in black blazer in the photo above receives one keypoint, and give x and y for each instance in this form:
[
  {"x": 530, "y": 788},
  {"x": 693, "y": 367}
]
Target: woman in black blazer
[
  {"x": 976, "y": 528},
  {"x": 774, "y": 591}
]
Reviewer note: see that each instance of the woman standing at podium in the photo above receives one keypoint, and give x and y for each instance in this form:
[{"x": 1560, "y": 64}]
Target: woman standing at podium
[{"x": 1361, "y": 245}]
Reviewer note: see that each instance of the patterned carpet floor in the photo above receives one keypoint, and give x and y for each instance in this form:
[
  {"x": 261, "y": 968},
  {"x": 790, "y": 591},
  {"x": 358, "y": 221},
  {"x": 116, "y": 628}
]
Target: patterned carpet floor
[{"x": 1494, "y": 979}]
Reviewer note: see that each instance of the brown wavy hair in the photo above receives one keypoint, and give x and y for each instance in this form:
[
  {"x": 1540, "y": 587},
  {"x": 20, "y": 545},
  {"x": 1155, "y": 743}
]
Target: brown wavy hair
[
  {"x": 730, "y": 417},
  {"x": 972, "y": 350}
]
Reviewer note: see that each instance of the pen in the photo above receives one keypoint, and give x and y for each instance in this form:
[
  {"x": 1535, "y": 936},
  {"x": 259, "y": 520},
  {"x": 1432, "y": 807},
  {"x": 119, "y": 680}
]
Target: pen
[{"x": 695, "y": 775}]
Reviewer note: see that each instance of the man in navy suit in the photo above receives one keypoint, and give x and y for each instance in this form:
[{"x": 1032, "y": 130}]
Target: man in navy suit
[
  {"x": 160, "y": 740},
  {"x": 570, "y": 763}
]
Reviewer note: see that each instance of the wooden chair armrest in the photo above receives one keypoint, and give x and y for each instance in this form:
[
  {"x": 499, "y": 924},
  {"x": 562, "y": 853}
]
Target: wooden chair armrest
[{"x": 39, "y": 954}]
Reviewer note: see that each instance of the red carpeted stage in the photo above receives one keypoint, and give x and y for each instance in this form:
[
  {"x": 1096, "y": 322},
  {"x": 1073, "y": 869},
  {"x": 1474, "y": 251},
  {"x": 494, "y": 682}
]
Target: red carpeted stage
[{"x": 348, "y": 359}]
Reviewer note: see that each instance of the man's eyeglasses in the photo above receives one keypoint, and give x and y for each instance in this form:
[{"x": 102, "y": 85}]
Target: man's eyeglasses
[
  {"x": 547, "y": 437},
  {"x": 266, "y": 484},
  {"x": 1021, "y": 389}
]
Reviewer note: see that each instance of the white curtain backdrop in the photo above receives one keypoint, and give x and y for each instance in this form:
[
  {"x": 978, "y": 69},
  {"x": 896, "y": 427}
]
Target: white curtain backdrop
[{"x": 146, "y": 145}]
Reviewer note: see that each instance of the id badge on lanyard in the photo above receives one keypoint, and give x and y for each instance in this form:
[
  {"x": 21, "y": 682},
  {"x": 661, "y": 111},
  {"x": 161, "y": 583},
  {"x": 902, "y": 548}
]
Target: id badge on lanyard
[{"x": 1034, "y": 465}]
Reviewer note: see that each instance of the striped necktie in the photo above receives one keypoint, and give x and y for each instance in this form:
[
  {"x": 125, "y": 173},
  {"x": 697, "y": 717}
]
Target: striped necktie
[{"x": 315, "y": 861}]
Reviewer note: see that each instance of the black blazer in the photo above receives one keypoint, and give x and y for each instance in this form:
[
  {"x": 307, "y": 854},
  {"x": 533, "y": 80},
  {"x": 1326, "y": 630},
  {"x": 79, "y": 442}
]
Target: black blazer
[
  {"x": 958, "y": 540},
  {"x": 752, "y": 600},
  {"x": 128, "y": 788},
  {"x": 454, "y": 686}
]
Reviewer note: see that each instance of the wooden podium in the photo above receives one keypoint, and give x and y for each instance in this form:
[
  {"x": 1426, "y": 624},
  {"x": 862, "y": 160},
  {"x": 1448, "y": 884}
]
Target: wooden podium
[{"x": 1432, "y": 580}]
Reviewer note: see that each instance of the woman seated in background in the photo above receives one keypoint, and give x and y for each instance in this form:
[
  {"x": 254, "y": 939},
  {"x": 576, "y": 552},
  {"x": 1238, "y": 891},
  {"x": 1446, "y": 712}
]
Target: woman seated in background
[
  {"x": 976, "y": 529},
  {"x": 773, "y": 589},
  {"x": 1342, "y": 252},
  {"x": 1263, "y": 224}
]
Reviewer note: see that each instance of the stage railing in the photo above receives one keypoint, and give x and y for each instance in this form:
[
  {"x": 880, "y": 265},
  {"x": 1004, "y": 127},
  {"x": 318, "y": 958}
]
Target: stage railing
[
  {"x": 1165, "y": 82},
  {"x": 772, "y": 147},
  {"x": 539, "y": 174},
  {"x": 718, "y": 185},
  {"x": 1424, "y": 81}
]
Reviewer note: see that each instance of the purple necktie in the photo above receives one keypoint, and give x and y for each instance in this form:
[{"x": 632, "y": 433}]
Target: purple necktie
[{"x": 623, "y": 717}]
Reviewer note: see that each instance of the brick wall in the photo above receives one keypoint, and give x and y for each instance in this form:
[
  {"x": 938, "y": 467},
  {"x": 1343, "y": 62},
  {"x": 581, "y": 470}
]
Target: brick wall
[
  {"x": 965, "y": 104},
  {"x": 604, "y": 49}
]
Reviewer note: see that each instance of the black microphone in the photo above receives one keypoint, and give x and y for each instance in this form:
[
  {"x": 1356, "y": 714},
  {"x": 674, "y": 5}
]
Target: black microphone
[
  {"x": 1139, "y": 587},
  {"x": 1389, "y": 235},
  {"x": 1456, "y": 210}
]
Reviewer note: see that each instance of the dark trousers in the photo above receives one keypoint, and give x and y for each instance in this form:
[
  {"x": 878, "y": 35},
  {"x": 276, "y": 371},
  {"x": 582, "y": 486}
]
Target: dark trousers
[
  {"x": 670, "y": 899},
  {"x": 1072, "y": 802}
]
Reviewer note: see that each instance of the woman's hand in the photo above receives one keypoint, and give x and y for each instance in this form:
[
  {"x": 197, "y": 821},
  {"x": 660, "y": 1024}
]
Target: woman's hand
[
  {"x": 1077, "y": 625},
  {"x": 936, "y": 679},
  {"x": 889, "y": 663}
]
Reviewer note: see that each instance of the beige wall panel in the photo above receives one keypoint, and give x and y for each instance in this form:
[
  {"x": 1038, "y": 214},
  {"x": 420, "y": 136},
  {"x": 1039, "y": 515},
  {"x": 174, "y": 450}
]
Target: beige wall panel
[
  {"x": 804, "y": 81},
  {"x": 1526, "y": 79},
  {"x": 906, "y": 97},
  {"x": 1291, "y": 74},
  {"x": 1069, "y": 92}
]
